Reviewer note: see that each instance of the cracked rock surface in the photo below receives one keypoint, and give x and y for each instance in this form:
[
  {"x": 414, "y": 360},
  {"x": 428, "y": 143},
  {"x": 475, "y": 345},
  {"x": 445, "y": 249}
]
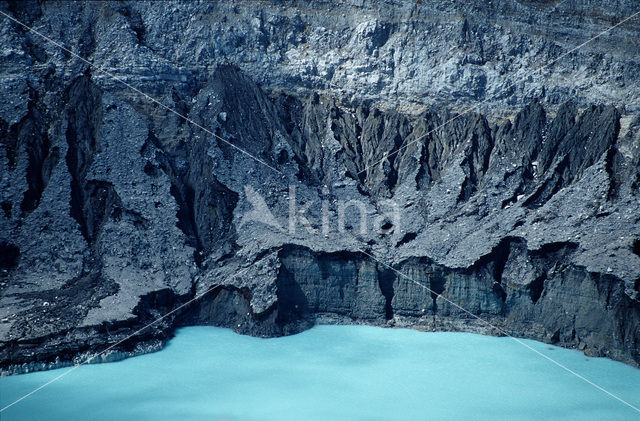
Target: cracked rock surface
[{"x": 524, "y": 210}]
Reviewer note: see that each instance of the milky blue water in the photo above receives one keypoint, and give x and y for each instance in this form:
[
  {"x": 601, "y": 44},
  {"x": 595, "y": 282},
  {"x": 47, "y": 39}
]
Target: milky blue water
[{"x": 332, "y": 373}]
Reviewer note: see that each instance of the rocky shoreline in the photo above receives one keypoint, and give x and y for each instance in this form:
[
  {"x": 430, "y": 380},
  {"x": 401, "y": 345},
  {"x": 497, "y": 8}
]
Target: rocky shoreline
[{"x": 424, "y": 324}]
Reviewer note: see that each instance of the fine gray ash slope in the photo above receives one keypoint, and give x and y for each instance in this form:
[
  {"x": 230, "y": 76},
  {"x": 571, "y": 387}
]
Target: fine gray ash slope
[{"x": 525, "y": 211}]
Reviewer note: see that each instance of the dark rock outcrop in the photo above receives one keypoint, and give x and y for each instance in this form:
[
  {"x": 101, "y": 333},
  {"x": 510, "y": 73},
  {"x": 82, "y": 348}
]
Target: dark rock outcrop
[{"x": 428, "y": 188}]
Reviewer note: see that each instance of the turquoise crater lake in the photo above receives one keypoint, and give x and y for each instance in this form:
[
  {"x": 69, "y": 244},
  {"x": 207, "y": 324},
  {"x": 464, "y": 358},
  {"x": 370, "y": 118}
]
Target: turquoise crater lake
[{"x": 332, "y": 373}]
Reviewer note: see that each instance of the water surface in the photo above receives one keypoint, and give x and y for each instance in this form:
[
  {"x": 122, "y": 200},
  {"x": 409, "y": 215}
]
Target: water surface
[{"x": 332, "y": 373}]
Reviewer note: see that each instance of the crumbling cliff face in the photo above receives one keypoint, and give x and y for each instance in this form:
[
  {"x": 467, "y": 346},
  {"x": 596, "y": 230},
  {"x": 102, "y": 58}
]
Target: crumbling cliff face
[{"x": 427, "y": 164}]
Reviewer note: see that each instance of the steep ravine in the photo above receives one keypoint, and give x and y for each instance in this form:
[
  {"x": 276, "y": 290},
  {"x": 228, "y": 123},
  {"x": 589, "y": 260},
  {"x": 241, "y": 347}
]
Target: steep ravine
[{"x": 538, "y": 292}]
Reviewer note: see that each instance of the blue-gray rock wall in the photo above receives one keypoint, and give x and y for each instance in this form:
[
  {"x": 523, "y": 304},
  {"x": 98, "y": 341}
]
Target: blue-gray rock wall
[{"x": 516, "y": 191}]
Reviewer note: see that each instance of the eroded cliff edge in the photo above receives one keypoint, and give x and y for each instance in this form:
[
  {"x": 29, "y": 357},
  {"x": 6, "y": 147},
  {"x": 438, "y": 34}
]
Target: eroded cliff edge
[{"x": 115, "y": 211}]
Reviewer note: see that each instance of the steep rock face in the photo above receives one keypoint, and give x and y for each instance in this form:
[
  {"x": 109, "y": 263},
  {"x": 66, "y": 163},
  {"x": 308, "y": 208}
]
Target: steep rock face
[
  {"x": 330, "y": 170},
  {"x": 535, "y": 293}
]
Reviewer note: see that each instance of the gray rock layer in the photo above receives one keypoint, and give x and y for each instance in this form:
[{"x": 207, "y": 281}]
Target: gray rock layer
[{"x": 518, "y": 216}]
